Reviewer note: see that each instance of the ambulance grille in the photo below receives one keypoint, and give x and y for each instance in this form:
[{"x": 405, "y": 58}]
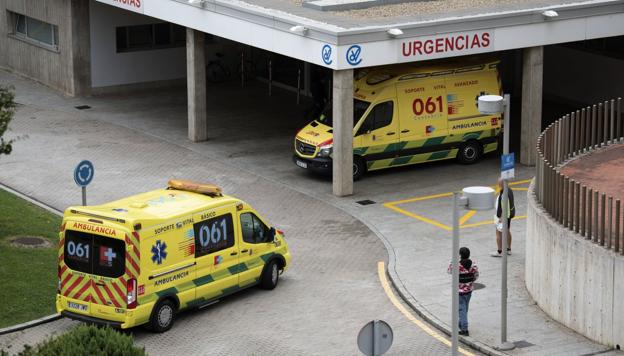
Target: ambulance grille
[{"x": 304, "y": 148}]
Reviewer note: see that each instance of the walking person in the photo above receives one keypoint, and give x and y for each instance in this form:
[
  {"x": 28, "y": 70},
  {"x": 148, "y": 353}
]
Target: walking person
[
  {"x": 468, "y": 273},
  {"x": 511, "y": 212}
]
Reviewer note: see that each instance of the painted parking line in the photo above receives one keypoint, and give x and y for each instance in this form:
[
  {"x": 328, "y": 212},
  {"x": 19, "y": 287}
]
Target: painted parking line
[
  {"x": 464, "y": 219},
  {"x": 381, "y": 270}
]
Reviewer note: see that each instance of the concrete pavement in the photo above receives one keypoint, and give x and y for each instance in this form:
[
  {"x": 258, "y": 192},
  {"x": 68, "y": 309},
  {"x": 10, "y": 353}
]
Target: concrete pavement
[{"x": 251, "y": 135}]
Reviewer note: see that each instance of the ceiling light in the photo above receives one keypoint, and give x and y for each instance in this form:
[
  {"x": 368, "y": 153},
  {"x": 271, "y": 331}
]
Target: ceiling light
[
  {"x": 394, "y": 32},
  {"x": 301, "y": 30},
  {"x": 549, "y": 14}
]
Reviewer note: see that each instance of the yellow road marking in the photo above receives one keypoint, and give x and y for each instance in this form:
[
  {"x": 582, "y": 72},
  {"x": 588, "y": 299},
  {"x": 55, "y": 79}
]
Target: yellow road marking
[
  {"x": 418, "y": 217},
  {"x": 393, "y": 205},
  {"x": 426, "y": 328},
  {"x": 490, "y": 222},
  {"x": 467, "y": 216}
]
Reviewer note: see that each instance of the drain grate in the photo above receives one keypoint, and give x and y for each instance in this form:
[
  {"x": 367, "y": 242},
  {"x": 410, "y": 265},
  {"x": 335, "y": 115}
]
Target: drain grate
[
  {"x": 82, "y": 107},
  {"x": 365, "y": 202},
  {"x": 522, "y": 344}
]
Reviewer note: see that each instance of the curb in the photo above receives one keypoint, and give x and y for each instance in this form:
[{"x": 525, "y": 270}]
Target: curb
[
  {"x": 413, "y": 303},
  {"x": 45, "y": 319},
  {"x": 30, "y": 324}
]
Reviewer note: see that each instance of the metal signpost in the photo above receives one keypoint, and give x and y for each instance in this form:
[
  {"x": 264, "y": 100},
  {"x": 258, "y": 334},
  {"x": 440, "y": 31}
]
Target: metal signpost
[
  {"x": 83, "y": 175},
  {"x": 494, "y": 104},
  {"x": 473, "y": 198},
  {"x": 375, "y": 338}
]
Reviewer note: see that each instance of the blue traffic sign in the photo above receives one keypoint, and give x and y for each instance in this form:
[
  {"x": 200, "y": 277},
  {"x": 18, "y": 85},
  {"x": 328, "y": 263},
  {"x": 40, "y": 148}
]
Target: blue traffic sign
[
  {"x": 507, "y": 162},
  {"x": 83, "y": 174}
]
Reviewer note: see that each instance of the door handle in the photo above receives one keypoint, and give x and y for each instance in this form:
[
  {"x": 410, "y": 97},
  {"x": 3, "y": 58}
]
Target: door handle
[
  {"x": 244, "y": 251},
  {"x": 404, "y": 131},
  {"x": 374, "y": 138},
  {"x": 233, "y": 253},
  {"x": 390, "y": 133}
]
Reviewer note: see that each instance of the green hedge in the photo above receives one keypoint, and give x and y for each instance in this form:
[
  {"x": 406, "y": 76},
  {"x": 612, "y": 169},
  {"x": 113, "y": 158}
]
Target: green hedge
[{"x": 87, "y": 340}]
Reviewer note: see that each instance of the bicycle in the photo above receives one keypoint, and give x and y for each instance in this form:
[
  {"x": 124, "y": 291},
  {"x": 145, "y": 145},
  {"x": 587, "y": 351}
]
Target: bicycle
[{"x": 216, "y": 71}]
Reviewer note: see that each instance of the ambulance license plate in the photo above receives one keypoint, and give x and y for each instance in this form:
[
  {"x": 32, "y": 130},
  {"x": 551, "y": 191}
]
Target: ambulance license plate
[
  {"x": 302, "y": 164},
  {"x": 77, "y": 306}
]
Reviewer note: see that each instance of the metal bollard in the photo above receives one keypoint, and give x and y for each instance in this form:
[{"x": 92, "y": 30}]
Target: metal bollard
[
  {"x": 583, "y": 220},
  {"x": 602, "y": 218},
  {"x": 590, "y": 213},
  {"x": 564, "y": 201},
  {"x": 593, "y": 127},
  {"x": 619, "y": 245},
  {"x": 577, "y": 136},
  {"x": 605, "y": 128},
  {"x": 618, "y": 125},
  {"x": 577, "y": 206},
  {"x": 599, "y": 120},
  {"x": 571, "y": 185},
  {"x": 612, "y": 121},
  {"x": 609, "y": 222}
]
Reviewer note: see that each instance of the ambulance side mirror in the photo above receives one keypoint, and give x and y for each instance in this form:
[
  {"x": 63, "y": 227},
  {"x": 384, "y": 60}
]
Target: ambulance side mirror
[{"x": 272, "y": 234}]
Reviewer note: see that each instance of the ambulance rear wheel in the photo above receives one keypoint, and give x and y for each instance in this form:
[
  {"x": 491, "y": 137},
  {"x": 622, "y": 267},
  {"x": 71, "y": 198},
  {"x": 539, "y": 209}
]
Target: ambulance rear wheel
[
  {"x": 270, "y": 277},
  {"x": 359, "y": 167},
  {"x": 163, "y": 316},
  {"x": 469, "y": 152}
]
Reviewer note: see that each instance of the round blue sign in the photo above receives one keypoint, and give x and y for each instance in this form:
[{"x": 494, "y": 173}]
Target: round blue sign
[
  {"x": 83, "y": 174},
  {"x": 326, "y": 54},
  {"x": 353, "y": 55}
]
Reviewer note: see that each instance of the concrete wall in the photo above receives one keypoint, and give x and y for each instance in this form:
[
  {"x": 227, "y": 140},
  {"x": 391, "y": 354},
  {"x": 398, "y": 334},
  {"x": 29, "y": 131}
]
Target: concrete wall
[
  {"x": 574, "y": 280},
  {"x": 66, "y": 69},
  {"x": 602, "y": 77}
]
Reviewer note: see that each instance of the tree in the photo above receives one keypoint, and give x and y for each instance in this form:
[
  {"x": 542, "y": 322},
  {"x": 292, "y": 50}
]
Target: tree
[{"x": 7, "y": 110}]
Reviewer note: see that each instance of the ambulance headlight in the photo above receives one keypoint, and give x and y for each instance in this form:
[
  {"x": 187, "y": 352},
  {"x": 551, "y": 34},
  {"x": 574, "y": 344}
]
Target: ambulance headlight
[{"x": 325, "y": 151}]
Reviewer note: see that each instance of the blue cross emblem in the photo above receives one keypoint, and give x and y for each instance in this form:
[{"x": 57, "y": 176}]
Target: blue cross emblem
[{"x": 158, "y": 252}]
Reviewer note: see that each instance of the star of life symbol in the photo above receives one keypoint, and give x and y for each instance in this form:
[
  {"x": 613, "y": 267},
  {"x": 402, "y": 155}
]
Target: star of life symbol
[{"x": 158, "y": 252}]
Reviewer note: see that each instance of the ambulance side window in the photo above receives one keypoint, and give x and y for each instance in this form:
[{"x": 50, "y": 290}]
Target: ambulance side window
[
  {"x": 380, "y": 116},
  {"x": 213, "y": 235},
  {"x": 254, "y": 231}
]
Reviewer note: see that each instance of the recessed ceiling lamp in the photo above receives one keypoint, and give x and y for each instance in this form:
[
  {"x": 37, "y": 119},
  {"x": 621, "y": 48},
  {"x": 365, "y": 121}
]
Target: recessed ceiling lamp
[
  {"x": 549, "y": 14},
  {"x": 394, "y": 32},
  {"x": 300, "y": 30}
]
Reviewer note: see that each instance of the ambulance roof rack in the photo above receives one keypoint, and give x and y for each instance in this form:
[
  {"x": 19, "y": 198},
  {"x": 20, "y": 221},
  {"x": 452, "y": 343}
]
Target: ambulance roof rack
[{"x": 195, "y": 187}]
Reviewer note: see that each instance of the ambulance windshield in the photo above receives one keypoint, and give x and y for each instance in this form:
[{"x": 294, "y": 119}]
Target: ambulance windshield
[
  {"x": 94, "y": 254},
  {"x": 359, "y": 108}
]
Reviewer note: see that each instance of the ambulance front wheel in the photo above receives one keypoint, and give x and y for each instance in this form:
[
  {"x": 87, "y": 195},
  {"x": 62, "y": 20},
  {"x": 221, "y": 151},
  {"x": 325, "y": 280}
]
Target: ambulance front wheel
[
  {"x": 469, "y": 152},
  {"x": 163, "y": 316},
  {"x": 270, "y": 277},
  {"x": 359, "y": 167}
]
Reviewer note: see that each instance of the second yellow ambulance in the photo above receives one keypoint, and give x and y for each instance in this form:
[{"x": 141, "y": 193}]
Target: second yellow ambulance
[{"x": 410, "y": 114}]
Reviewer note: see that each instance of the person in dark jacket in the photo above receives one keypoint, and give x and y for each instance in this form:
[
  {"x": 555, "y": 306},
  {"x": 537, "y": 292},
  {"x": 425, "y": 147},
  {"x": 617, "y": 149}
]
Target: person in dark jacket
[
  {"x": 511, "y": 212},
  {"x": 468, "y": 273}
]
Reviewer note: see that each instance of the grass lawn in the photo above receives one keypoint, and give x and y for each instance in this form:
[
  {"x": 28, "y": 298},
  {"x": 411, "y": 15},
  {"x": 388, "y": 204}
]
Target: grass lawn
[{"x": 27, "y": 275}]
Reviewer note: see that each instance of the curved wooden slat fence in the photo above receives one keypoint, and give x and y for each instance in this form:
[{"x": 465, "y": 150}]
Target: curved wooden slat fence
[{"x": 578, "y": 207}]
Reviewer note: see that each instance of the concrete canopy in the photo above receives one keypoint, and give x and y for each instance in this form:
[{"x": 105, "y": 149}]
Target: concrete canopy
[{"x": 347, "y": 40}]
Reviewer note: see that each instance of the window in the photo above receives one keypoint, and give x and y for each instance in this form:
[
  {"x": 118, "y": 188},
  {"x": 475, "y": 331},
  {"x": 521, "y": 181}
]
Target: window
[
  {"x": 152, "y": 36},
  {"x": 254, "y": 231},
  {"x": 213, "y": 235},
  {"x": 34, "y": 31},
  {"x": 95, "y": 254},
  {"x": 359, "y": 108},
  {"x": 379, "y": 117}
]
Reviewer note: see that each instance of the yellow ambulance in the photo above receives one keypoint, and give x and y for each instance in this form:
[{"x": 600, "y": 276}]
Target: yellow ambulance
[
  {"x": 409, "y": 114},
  {"x": 141, "y": 259}
]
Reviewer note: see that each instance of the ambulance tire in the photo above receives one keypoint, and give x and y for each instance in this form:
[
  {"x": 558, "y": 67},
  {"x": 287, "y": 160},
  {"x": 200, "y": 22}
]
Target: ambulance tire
[
  {"x": 469, "y": 152},
  {"x": 270, "y": 276},
  {"x": 359, "y": 167},
  {"x": 163, "y": 316}
]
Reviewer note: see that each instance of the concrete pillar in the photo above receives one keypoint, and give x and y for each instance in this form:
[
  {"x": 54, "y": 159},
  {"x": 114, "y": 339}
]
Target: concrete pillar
[
  {"x": 343, "y": 132},
  {"x": 81, "y": 48},
  {"x": 196, "y": 85},
  {"x": 532, "y": 79}
]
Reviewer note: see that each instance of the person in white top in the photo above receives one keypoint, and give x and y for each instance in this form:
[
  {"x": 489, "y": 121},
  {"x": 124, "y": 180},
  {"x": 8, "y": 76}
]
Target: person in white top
[{"x": 510, "y": 213}]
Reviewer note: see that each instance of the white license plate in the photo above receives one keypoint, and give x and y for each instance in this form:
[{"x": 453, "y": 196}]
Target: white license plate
[
  {"x": 302, "y": 164},
  {"x": 77, "y": 306}
]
